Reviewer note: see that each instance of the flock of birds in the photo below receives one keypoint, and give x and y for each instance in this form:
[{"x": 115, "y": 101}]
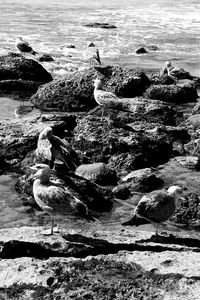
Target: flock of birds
[{"x": 56, "y": 200}]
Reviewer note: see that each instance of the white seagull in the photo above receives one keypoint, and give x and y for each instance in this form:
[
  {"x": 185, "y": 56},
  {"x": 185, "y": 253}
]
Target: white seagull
[
  {"x": 176, "y": 73},
  {"x": 24, "y": 46},
  {"x": 156, "y": 207},
  {"x": 92, "y": 55},
  {"x": 54, "y": 198}
]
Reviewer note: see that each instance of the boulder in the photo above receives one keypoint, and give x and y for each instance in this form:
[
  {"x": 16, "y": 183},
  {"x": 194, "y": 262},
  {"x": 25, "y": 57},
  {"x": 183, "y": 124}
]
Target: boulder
[
  {"x": 172, "y": 93},
  {"x": 98, "y": 172},
  {"x": 143, "y": 180},
  {"x": 74, "y": 92},
  {"x": 190, "y": 162},
  {"x": 14, "y": 66},
  {"x": 141, "y": 50},
  {"x": 45, "y": 58},
  {"x": 100, "y": 25}
]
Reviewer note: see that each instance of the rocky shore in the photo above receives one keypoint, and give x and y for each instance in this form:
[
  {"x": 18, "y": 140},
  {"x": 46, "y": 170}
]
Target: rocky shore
[{"x": 117, "y": 154}]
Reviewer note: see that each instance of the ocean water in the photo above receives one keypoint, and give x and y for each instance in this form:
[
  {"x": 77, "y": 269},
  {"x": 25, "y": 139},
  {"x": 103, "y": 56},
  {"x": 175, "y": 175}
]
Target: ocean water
[{"x": 49, "y": 26}]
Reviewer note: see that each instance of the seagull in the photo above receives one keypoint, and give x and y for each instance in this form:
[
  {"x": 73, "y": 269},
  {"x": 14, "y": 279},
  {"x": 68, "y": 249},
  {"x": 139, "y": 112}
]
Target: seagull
[
  {"x": 106, "y": 99},
  {"x": 53, "y": 198},
  {"x": 156, "y": 207},
  {"x": 92, "y": 54},
  {"x": 24, "y": 46},
  {"x": 176, "y": 73},
  {"x": 51, "y": 147}
]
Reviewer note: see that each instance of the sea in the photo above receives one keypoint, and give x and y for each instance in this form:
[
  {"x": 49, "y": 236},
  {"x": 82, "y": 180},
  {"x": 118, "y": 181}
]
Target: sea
[{"x": 50, "y": 26}]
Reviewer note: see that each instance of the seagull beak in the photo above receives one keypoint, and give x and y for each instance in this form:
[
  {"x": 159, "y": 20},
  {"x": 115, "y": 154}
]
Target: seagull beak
[{"x": 33, "y": 168}]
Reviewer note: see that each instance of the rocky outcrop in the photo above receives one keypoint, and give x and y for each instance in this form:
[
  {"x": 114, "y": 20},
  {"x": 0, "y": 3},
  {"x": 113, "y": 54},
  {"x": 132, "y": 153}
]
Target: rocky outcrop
[
  {"x": 17, "y": 72},
  {"x": 45, "y": 58},
  {"x": 74, "y": 92},
  {"x": 172, "y": 93},
  {"x": 141, "y": 50},
  {"x": 98, "y": 264}
]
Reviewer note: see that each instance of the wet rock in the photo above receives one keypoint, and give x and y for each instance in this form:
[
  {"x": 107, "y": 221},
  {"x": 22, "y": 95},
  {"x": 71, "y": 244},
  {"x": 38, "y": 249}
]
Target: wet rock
[
  {"x": 160, "y": 79},
  {"x": 100, "y": 25},
  {"x": 153, "y": 47},
  {"x": 45, "y": 58},
  {"x": 75, "y": 93},
  {"x": 122, "y": 150},
  {"x": 70, "y": 46},
  {"x": 14, "y": 66},
  {"x": 141, "y": 50},
  {"x": 144, "y": 180},
  {"x": 97, "y": 172},
  {"x": 172, "y": 93},
  {"x": 19, "y": 85},
  {"x": 190, "y": 162}
]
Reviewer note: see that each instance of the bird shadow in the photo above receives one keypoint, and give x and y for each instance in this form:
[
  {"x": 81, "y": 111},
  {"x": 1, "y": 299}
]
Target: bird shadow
[{"x": 171, "y": 239}]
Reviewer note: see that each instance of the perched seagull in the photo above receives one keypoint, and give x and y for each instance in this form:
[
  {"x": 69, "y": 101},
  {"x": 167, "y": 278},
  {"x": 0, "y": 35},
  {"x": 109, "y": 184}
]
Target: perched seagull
[
  {"x": 24, "y": 46},
  {"x": 156, "y": 207},
  {"x": 106, "y": 99},
  {"x": 51, "y": 147},
  {"x": 176, "y": 73},
  {"x": 53, "y": 198},
  {"x": 92, "y": 55}
]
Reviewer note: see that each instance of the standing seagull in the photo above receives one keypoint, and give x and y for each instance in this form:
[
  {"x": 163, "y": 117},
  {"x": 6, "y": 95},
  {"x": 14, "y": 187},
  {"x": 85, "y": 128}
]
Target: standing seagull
[
  {"x": 53, "y": 198},
  {"x": 92, "y": 55},
  {"x": 24, "y": 46},
  {"x": 106, "y": 99},
  {"x": 51, "y": 147},
  {"x": 156, "y": 208}
]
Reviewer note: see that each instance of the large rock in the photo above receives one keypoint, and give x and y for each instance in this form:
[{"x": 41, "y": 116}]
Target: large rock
[
  {"x": 100, "y": 25},
  {"x": 74, "y": 92},
  {"x": 15, "y": 67},
  {"x": 172, "y": 93},
  {"x": 97, "y": 172}
]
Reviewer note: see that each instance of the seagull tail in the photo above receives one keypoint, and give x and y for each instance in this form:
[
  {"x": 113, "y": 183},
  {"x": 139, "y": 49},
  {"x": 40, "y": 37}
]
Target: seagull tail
[{"x": 135, "y": 221}]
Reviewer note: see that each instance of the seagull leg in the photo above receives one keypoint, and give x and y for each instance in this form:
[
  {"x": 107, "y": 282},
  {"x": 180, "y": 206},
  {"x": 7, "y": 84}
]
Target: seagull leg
[{"x": 49, "y": 232}]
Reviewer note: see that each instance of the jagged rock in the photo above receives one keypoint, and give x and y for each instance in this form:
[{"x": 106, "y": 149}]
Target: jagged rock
[
  {"x": 144, "y": 180},
  {"x": 75, "y": 93},
  {"x": 141, "y": 50},
  {"x": 97, "y": 172},
  {"x": 100, "y": 25},
  {"x": 160, "y": 79},
  {"x": 190, "y": 162},
  {"x": 122, "y": 150},
  {"x": 15, "y": 67},
  {"x": 172, "y": 93},
  {"x": 45, "y": 58}
]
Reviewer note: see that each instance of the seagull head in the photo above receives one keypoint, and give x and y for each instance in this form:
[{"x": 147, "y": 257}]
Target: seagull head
[
  {"x": 97, "y": 83},
  {"x": 168, "y": 64},
  {"x": 42, "y": 171},
  {"x": 47, "y": 133},
  {"x": 175, "y": 191}
]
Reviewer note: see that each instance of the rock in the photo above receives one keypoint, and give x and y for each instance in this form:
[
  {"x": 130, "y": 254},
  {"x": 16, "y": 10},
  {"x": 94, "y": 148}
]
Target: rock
[
  {"x": 105, "y": 263},
  {"x": 100, "y": 25},
  {"x": 75, "y": 93},
  {"x": 121, "y": 191},
  {"x": 172, "y": 93},
  {"x": 190, "y": 162},
  {"x": 153, "y": 47},
  {"x": 123, "y": 151},
  {"x": 196, "y": 109},
  {"x": 70, "y": 46},
  {"x": 144, "y": 180},
  {"x": 45, "y": 58},
  {"x": 98, "y": 172},
  {"x": 141, "y": 50},
  {"x": 158, "y": 78},
  {"x": 14, "y": 66},
  {"x": 10, "y": 85}
]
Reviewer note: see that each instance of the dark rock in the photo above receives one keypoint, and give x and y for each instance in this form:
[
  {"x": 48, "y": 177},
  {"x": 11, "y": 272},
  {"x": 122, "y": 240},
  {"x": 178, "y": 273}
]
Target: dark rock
[
  {"x": 100, "y": 25},
  {"x": 19, "y": 85},
  {"x": 121, "y": 191},
  {"x": 153, "y": 47},
  {"x": 70, "y": 46},
  {"x": 172, "y": 93},
  {"x": 99, "y": 173},
  {"x": 141, "y": 50},
  {"x": 15, "y": 66},
  {"x": 76, "y": 93},
  {"x": 158, "y": 78},
  {"x": 143, "y": 180},
  {"x": 45, "y": 58}
]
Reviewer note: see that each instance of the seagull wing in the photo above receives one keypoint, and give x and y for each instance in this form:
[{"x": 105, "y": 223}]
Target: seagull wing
[
  {"x": 44, "y": 149},
  {"x": 157, "y": 207}
]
